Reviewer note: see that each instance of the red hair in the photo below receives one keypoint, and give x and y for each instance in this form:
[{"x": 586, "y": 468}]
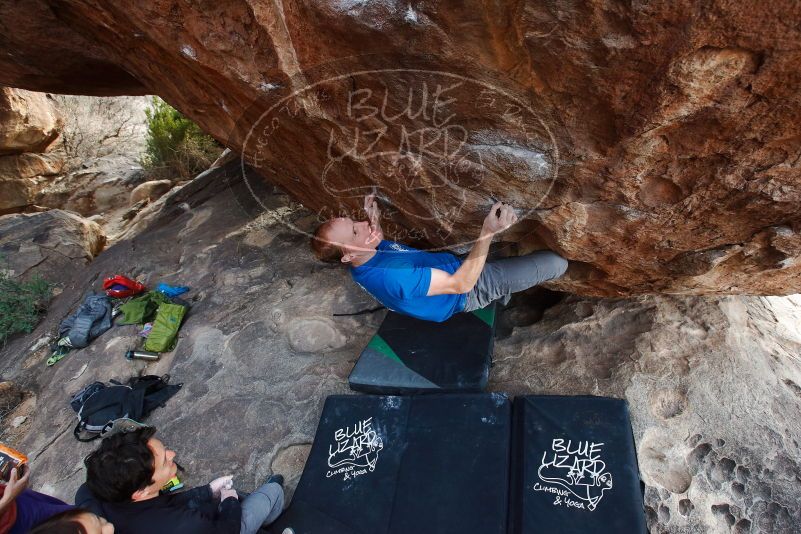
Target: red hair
[{"x": 322, "y": 247}]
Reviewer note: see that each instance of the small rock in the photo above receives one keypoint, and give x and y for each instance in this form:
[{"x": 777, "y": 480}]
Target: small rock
[
  {"x": 18, "y": 421},
  {"x": 41, "y": 342},
  {"x": 152, "y": 190},
  {"x": 136, "y": 208}
]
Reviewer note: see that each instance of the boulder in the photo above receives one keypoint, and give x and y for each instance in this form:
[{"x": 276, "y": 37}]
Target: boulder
[
  {"x": 30, "y": 165},
  {"x": 652, "y": 145},
  {"x": 28, "y": 121},
  {"x": 15, "y": 194},
  {"x": 149, "y": 191},
  {"x": 52, "y": 244}
]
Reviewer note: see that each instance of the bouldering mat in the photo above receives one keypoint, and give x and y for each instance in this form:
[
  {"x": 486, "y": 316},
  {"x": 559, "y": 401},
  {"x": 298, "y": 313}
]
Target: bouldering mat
[
  {"x": 408, "y": 355},
  {"x": 574, "y": 467},
  {"x": 431, "y": 464}
]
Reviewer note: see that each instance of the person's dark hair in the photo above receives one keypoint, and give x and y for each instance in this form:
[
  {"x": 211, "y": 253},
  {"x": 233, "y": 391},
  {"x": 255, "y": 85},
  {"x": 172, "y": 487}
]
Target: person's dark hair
[
  {"x": 322, "y": 247},
  {"x": 64, "y": 523},
  {"x": 121, "y": 465}
]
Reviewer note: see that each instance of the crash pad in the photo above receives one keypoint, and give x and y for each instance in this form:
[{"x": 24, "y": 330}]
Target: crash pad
[
  {"x": 409, "y": 355},
  {"x": 574, "y": 467},
  {"x": 430, "y": 464}
]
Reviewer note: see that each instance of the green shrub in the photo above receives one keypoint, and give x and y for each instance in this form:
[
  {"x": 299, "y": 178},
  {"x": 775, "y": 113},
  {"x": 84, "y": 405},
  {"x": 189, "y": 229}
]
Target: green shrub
[
  {"x": 21, "y": 303},
  {"x": 177, "y": 149}
]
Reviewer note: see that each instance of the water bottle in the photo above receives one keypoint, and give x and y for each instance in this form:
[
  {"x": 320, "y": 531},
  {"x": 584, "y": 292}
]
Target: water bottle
[{"x": 142, "y": 355}]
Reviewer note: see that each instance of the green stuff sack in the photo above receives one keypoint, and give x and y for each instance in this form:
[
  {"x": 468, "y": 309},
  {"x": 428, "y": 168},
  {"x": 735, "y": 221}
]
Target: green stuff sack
[
  {"x": 141, "y": 309},
  {"x": 165, "y": 328}
]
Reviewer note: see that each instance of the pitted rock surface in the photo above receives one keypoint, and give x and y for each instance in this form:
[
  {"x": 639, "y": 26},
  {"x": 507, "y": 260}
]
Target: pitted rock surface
[
  {"x": 712, "y": 388},
  {"x": 655, "y": 145}
]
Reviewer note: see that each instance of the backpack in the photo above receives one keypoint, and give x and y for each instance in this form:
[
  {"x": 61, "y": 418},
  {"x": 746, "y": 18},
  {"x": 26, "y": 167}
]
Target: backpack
[
  {"x": 162, "y": 336},
  {"x": 119, "y": 286},
  {"x": 141, "y": 310},
  {"x": 79, "y": 398},
  {"x": 98, "y": 405}
]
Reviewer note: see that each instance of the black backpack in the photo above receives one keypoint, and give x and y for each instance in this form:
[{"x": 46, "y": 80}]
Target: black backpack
[{"x": 98, "y": 405}]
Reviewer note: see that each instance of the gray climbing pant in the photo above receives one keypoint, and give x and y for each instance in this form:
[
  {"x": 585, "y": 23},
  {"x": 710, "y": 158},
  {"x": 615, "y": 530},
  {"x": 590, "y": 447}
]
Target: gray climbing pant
[
  {"x": 261, "y": 507},
  {"x": 501, "y": 278}
]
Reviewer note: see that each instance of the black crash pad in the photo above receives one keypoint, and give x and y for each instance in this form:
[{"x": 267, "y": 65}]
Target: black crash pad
[
  {"x": 574, "y": 467},
  {"x": 408, "y": 355},
  {"x": 432, "y": 464}
]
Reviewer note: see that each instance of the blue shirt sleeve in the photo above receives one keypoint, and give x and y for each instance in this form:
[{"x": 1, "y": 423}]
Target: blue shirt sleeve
[{"x": 411, "y": 282}]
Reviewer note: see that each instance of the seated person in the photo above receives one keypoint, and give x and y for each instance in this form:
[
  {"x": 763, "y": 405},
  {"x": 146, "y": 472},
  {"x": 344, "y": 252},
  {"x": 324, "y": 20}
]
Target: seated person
[
  {"x": 124, "y": 477},
  {"x": 20, "y": 508},
  {"x": 74, "y": 521},
  {"x": 431, "y": 285}
]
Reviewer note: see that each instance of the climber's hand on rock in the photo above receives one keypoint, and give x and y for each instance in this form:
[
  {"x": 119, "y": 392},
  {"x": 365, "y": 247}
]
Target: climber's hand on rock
[
  {"x": 500, "y": 217},
  {"x": 374, "y": 217},
  {"x": 371, "y": 208}
]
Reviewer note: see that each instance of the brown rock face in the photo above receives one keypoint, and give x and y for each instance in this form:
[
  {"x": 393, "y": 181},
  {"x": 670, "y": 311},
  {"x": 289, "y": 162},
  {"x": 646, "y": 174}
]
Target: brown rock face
[
  {"x": 29, "y": 124},
  {"x": 654, "y": 145},
  {"x": 20, "y": 176}
]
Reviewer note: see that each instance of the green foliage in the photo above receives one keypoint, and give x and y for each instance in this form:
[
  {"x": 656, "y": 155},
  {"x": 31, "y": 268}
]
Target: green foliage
[
  {"x": 20, "y": 304},
  {"x": 176, "y": 147}
]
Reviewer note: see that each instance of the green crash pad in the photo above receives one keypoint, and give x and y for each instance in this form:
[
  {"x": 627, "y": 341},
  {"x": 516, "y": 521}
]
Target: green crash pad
[{"x": 408, "y": 355}]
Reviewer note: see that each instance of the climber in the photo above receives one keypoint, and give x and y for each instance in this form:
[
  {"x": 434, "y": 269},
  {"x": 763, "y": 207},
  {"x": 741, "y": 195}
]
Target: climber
[{"x": 427, "y": 285}]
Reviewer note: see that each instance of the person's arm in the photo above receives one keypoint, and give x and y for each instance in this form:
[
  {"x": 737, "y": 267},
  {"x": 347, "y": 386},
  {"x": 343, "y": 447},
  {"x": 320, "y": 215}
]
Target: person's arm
[
  {"x": 230, "y": 507},
  {"x": 14, "y": 487},
  {"x": 225, "y": 518},
  {"x": 500, "y": 217},
  {"x": 84, "y": 498}
]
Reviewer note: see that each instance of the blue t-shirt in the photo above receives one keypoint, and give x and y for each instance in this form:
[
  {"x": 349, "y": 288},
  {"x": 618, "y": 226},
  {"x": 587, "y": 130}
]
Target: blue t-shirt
[{"x": 399, "y": 276}]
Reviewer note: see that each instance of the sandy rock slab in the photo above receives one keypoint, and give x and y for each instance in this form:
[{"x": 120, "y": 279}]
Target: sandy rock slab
[
  {"x": 99, "y": 188},
  {"x": 250, "y": 401}
]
